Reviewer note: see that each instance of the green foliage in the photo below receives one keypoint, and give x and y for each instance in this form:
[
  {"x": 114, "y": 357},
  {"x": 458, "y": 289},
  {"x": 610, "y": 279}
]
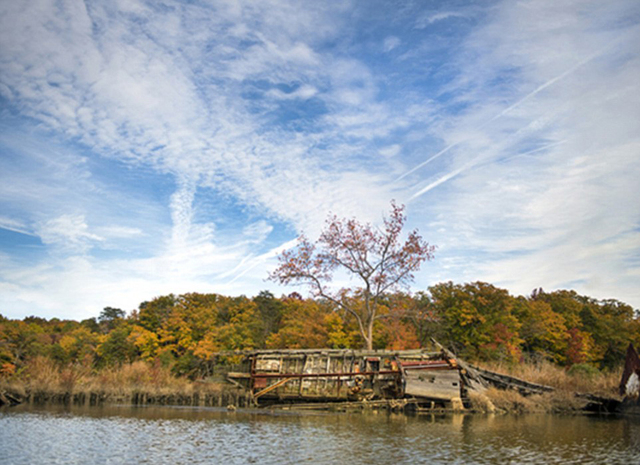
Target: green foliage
[
  {"x": 304, "y": 325},
  {"x": 544, "y": 332},
  {"x": 583, "y": 370},
  {"x": 270, "y": 310},
  {"x": 477, "y": 319},
  {"x": 110, "y": 318},
  {"x": 152, "y": 315},
  {"x": 116, "y": 348}
]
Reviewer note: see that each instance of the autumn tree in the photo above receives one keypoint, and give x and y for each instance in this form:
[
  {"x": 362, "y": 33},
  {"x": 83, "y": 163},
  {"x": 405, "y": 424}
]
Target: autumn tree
[
  {"x": 270, "y": 310},
  {"x": 110, "y": 318},
  {"x": 478, "y": 320},
  {"x": 376, "y": 257},
  {"x": 306, "y": 324}
]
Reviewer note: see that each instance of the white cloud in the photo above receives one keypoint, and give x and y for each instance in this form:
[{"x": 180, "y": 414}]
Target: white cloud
[
  {"x": 519, "y": 146},
  {"x": 390, "y": 43},
  {"x": 428, "y": 19},
  {"x": 560, "y": 216},
  {"x": 390, "y": 150},
  {"x": 257, "y": 232},
  {"x": 303, "y": 92},
  {"x": 120, "y": 232},
  {"x": 11, "y": 224},
  {"x": 68, "y": 232}
]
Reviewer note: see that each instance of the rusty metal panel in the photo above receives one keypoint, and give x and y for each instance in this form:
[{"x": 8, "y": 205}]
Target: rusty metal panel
[
  {"x": 436, "y": 384},
  {"x": 260, "y": 383}
]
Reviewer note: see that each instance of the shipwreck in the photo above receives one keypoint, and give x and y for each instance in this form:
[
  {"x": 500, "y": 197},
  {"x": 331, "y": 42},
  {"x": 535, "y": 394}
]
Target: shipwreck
[{"x": 417, "y": 379}]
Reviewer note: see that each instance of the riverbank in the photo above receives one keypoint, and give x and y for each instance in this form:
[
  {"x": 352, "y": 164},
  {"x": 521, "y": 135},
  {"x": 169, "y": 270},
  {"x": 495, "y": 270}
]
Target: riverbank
[
  {"x": 575, "y": 390},
  {"x": 135, "y": 383},
  {"x": 149, "y": 383}
]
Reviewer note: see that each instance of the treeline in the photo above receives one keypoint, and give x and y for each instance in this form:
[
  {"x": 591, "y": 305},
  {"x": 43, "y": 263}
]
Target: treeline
[{"x": 478, "y": 321}]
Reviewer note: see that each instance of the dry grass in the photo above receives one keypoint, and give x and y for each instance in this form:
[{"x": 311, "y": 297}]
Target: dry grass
[
  {"x": 548, "y": 374},
  {"x": 513, "y": 402},
  {"x": 566, "y": 384},
  {"x": 41, "y": 375}
]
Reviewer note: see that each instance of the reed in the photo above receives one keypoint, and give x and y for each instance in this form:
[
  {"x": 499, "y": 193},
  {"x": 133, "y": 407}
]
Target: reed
[
  {"x": 579, "y": 378},
  {"x": 41, "y": 380},
  {"x": 565, "y": 382}
]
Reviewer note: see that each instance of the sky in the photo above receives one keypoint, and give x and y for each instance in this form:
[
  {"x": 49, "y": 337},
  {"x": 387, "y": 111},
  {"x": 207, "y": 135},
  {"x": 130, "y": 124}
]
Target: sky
[{"x": 167, "y": 146}]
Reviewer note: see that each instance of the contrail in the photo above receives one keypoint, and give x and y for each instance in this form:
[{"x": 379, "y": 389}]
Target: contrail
[
  {"x": 470, "y": 164},
  {"x": 542, "y": 87},
  {"x": 506, "y": 110},
  {"x": 255, "y": 261},
  {"x": 441, "y": 180},
  {"x": 429, "y": 160}
]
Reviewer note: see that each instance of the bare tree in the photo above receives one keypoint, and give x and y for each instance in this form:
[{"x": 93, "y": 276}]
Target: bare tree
[{"x": 376, "y": 257}]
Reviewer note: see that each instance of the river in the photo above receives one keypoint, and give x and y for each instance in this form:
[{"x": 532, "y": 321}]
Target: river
[{"x": 174, "y": 435}]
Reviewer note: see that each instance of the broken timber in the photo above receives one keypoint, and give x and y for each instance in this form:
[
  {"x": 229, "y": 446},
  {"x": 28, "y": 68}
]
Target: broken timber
[
  {"x": 322, "y": 377},
  {"x": 348, "y": 376},
  {"x": 501, "y": 381},
  {"x": 9, "y": 399}
]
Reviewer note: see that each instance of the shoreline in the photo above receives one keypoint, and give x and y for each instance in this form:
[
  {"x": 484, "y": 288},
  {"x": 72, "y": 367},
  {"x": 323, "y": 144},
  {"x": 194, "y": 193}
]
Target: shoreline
[{"x": 232, "y": 398}]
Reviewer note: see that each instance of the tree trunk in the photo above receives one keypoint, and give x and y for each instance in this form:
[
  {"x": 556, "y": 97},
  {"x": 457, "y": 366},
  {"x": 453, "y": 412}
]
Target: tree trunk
[{"x": 368, "y": 338}]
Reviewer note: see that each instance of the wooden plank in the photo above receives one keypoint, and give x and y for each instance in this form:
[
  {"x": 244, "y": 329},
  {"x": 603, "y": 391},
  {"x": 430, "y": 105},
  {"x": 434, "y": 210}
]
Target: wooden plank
[
  {"x": 238, "y": 375},
  {"x": 326, "y": 375},
  {"x": 441, "y": 385},
  {"x": 509, "y": 382},
  {"x": 273, "y": 387}
]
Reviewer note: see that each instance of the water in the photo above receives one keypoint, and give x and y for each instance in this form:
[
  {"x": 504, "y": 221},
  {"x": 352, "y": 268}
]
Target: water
[{"x": 138, "y": 435}]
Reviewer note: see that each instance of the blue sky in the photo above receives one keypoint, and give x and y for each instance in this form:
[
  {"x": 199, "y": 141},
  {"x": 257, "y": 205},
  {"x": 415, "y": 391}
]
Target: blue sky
[{"x": 155, "y": 147}]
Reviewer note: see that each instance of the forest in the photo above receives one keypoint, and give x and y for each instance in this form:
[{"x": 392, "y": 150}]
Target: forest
[{"x": 478, "y": 321}]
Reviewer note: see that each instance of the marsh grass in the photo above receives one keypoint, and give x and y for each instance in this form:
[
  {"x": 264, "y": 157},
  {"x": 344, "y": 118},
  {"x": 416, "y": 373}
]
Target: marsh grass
[
  {"x": 42, "y": 379},
  {"x": 566, "y": 384},
  {"x": 573, "y": 380}
]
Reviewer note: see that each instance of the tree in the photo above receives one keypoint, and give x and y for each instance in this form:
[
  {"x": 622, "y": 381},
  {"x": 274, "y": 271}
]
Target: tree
[
  {"x": 306, "y": 324},
  {"x": 110, "y": 318},
  {"x": 477, "y": 319},
  {"x": 270, "y": 311},
  {"x": 376, "y": 258},
  {"x": 542, "y": 330},
  {"x": 116, "y": 348},
  {"x": 152, "y": 315}
]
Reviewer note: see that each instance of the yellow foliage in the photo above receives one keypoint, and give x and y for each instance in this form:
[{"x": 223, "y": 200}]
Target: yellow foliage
[{"x": 145, "y": 341}]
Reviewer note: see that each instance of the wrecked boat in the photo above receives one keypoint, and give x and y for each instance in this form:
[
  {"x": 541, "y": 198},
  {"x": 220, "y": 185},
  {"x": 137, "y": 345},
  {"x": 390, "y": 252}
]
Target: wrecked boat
[
  {"x": 418, "y": 379},
  {"x": 326, "y": 375}
]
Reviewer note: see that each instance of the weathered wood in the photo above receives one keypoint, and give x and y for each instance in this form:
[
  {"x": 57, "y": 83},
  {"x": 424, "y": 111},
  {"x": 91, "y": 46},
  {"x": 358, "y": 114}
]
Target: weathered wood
[
  {"x": 600, "y": 404},
  {"x": 333, "y": 352},
  {"x": 9, "y": 399},
  {"x": 273, "y": 387},
  {"x": 630, "y": 382},
  {"x": 238, "y": 375},
  {"x": 436, "y": 384},
  {"x": 473, "y": 378},
  {"x": 326, "y": 375},
  {"x": 510, "y": 382}
]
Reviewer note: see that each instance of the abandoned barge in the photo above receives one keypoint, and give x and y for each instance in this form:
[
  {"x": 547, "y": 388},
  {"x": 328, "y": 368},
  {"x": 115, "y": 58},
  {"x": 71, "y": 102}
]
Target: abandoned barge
[{"x": 418, "y": 378}]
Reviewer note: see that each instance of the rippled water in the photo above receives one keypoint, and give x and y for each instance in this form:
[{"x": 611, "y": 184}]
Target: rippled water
[{"x": 114, "y": 435}]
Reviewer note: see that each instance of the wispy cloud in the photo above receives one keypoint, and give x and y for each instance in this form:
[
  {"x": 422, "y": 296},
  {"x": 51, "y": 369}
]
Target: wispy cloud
[
  {"x": 182, "y": 144},
  {"x": 544, "y": 202}
]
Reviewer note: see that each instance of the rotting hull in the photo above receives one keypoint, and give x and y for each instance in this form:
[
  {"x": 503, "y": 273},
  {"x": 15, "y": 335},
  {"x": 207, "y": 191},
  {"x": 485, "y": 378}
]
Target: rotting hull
[{"x": 291, "y": 376}]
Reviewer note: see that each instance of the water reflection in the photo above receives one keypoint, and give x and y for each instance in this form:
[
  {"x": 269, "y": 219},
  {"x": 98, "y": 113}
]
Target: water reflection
[{"x": 100, "y": 435}]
